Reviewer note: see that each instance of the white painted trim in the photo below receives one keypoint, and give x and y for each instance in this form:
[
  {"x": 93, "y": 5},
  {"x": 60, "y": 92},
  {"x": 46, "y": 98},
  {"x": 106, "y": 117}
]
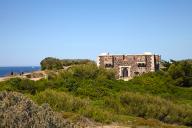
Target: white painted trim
[
  {"x": 153, "y": 63},
  {"x": 98, "y": 61}
]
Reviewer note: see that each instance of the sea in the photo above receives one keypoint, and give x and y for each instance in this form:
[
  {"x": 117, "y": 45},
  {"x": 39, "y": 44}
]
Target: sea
[{"x": 5, "y": 71}]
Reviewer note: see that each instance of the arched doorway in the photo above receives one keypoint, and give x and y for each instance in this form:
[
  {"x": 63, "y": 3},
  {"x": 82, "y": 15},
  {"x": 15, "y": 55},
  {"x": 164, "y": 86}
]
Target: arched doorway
[{"x": 125, "y": 72}]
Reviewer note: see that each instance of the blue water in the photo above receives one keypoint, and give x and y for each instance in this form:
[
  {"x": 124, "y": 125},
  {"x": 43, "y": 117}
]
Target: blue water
[{"x": 4, "y": 71}]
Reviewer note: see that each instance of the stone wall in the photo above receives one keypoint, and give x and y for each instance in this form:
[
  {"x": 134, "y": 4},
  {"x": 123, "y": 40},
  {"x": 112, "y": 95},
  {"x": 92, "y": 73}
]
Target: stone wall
[{"x": 134, "y": 64}]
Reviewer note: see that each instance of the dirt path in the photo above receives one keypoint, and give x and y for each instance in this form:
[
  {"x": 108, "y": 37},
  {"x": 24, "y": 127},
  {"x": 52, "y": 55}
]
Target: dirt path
[
  {"x": 5, "y": 78},
  {"x": 43, "y": 74}
]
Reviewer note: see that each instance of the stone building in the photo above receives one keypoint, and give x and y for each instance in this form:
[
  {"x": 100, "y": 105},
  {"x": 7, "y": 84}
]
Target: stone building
[{"x": 128, "y": 66}]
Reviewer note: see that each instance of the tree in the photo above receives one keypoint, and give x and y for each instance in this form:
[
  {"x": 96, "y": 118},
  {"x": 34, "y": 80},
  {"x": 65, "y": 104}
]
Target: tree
[
  {"x": 181, "y": 72},
  {"x": 51, "y": 64},
  {"x": 165, "y": 64}
]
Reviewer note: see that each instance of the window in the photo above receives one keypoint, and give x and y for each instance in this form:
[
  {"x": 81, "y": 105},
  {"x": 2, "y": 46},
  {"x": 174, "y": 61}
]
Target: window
[
  {"x": 136, "y": 73},
  {"x": 108, "y": 65},
  {"x": 123, "y": 57},
  {"x": 141, "y": 64}
]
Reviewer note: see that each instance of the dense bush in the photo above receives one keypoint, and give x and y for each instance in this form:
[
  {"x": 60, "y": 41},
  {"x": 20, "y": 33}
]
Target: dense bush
[
  {"x": 127, "y": 103},
  {"x": 85, "y": 71},
  {"x": 16, "y": 111},
  {"x": 20, "y": 85},
  {"x": 181, "y": 72},
  {"x": 154, "y": 107},
  {"x": 51, "y": 64},
  {"x": 98, "y": 114},
  {"x": 61, "y": 101},
  {"x": 69, "y": 62},
  {"x": 161, "y": 84}
]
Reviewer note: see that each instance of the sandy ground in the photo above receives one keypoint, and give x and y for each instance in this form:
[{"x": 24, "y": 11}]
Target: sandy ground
[
  {"x": 23, "y": 76},
  {"x": 5, "y": 78},
  {"x": 9, "y": 77}
]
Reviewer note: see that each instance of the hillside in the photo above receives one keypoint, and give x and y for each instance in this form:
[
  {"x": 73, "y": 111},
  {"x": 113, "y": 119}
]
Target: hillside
[{"x": 85, "y": 91}]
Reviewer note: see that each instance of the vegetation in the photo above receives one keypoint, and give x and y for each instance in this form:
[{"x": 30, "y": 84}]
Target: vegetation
[
  {"x": 84, "y": 90},
  {"x": 181, "y": 72},
  {"x": 16, "y": 111},
  {"x": 69, "y": 62},
  {"x": 51, "y": 63}
]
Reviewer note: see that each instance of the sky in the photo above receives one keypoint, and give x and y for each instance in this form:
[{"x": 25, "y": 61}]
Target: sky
[{"x": 31, "y": 30}]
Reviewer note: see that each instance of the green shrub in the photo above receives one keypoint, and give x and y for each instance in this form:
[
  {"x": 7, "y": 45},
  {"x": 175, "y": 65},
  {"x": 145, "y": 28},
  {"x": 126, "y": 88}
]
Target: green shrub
[
  {"x": 148, "y": 106},
  {"x": 61, "y": 101},
  {"x": 159, "y": 83},
  {"x": 181, "y": 72},
  {"x": 97, "y": 114},
  {"x": 69, "y": 62},
  {"x": 104, "y": 74},
  {"x": 89, "y": 71},
  {"x": 20, "y": 85},
  {"x": 114, "y": 104},
  {"x": 93, "y": 91},
  {"x": 51, "y": 63}
]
